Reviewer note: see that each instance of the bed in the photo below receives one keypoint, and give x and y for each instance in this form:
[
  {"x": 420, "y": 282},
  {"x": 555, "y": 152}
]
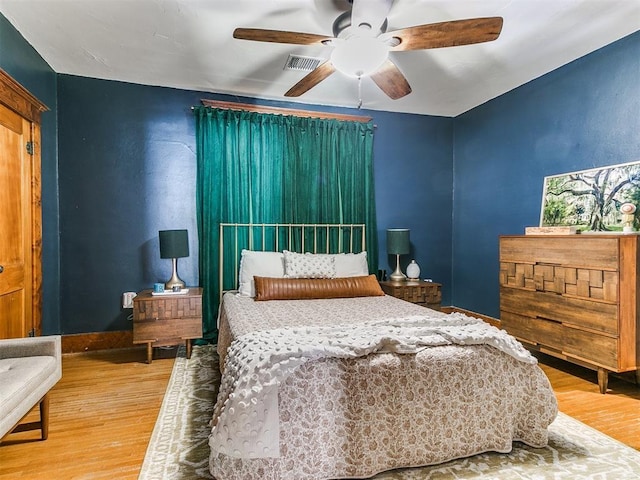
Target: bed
[{"x": 355, "y": 382}]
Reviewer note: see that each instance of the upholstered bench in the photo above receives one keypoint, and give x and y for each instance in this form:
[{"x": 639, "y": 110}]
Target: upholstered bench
[{"x": 29, "y": 368}]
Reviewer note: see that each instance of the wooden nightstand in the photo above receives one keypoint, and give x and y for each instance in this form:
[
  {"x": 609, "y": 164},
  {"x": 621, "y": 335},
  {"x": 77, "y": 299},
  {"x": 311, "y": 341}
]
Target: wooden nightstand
[
  {"x": 160, "y": 320},
  {"x": 427, "y": 294}
]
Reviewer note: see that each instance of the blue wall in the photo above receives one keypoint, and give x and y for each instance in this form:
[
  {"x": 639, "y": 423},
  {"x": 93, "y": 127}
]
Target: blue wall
[
  {"x": 127, "y": 170},
  {"x": 413, "y": 190},
  {"x": 27, "y": 67},
  {"x": 583, "y": 115}
]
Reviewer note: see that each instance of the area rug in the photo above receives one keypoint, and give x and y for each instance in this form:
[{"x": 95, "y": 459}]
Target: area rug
[{"x": 178, "y": 449}]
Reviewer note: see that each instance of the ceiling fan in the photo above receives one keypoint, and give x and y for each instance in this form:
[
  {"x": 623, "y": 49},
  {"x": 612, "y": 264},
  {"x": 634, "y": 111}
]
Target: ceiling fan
[{"x": 361, "y": 44}]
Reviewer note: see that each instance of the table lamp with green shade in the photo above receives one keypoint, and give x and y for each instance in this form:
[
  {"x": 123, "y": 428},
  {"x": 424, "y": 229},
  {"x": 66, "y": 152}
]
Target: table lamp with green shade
[
  {"x": 174, "y": 244},
  {"x": 398, "y": 244}
]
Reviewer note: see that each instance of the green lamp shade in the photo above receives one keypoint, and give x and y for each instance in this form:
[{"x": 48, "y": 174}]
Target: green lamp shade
[
  {"x": 398, "y": 241},
  {"x": 174, "y": 243}
]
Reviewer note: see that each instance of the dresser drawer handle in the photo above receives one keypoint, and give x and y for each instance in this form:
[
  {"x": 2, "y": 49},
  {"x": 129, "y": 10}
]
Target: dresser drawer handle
[{"x": 547, "y": 319}]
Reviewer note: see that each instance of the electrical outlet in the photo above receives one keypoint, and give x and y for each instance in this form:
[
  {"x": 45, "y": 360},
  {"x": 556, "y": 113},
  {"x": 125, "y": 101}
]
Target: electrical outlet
[{"x": 127, "y": 299}]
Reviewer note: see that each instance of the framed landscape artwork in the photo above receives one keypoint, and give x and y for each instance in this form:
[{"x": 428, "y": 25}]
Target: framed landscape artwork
[{"x": 590, "y": 200}]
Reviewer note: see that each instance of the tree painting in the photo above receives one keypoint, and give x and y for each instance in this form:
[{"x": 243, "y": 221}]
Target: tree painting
[{"x": 590, "y": 200}]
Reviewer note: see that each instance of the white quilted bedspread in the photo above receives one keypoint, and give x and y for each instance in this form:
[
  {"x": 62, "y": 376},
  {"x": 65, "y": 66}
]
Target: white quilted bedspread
[{"x": 246, "y": 423}]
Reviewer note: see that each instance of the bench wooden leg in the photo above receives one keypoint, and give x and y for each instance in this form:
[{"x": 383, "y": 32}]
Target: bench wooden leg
[
  {"x": 44, "y": 416},
  {"x": 42, "y": 425}
]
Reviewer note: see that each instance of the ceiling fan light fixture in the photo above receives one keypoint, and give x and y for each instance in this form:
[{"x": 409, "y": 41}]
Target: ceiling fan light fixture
[{"x": 359, "y": 56}]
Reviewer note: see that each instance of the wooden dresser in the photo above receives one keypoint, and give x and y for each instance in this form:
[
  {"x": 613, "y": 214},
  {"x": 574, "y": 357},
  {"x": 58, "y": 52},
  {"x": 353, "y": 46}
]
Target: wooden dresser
[{"x": 574, "y": 297}]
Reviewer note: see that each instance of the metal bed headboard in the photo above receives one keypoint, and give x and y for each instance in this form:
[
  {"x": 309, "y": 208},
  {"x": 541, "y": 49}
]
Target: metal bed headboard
[{"x": 298, "y": 237}]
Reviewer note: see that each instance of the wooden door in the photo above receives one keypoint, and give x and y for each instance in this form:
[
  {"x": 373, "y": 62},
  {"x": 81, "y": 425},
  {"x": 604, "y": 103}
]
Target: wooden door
[
  {"x": 20, "y": 212},
  {"x": 16, "y": 319}
]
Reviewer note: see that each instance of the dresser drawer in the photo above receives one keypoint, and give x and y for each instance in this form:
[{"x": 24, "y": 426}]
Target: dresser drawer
[
  {"x": 578, "y": 251},
  {"x": 597, "y": 316},
  {"x": 544, "y": 334},
  {"x": 533, "y": 330},
  {"x": 586, "y": 283},
  {"x": 599, "y": 349}
]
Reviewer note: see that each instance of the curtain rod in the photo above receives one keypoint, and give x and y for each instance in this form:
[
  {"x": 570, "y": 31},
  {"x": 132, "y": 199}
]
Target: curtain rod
[{"x": 283, "y": 111}]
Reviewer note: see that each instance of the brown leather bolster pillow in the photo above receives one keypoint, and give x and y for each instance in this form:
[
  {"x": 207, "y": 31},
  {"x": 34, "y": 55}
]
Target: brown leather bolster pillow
[{"x": 268, "y": 288}]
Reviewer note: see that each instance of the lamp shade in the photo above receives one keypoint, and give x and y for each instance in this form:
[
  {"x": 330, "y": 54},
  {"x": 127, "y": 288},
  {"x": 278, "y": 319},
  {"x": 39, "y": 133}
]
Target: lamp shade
[
  {"x": 398, "y": 241},
  {"x": 174, "y": 243}
]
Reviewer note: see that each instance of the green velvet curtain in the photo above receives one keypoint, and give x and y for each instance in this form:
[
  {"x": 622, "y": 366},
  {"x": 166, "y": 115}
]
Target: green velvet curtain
[{"x": 266, "y": 168}]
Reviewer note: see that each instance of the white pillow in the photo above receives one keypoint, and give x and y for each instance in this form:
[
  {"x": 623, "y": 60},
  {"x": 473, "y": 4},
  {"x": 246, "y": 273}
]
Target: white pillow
[
  {"x": 308, "y": 265},
  {"x": 262, "y": 264},
  {"x": 351, "y": 264}
]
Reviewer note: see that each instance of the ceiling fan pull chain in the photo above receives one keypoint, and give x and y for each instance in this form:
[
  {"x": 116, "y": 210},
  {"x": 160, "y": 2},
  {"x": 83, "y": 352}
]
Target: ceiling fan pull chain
[{"x": 359, "y": 92}]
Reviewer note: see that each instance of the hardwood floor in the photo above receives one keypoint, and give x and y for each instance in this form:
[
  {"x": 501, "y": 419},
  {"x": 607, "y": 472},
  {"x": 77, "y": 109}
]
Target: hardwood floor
[
  {"x": 104, "y": 409},
  {"x": 102, "y": 413},
  {"x": 617, "y": 413}
]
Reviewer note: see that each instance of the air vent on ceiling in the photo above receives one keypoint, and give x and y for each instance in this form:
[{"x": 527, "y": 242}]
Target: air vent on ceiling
[{"x": 298, "y": 62}]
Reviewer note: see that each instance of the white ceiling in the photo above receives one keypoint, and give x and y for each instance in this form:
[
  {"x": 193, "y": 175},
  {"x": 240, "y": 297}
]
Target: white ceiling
[{"x": 188, "y": 44}]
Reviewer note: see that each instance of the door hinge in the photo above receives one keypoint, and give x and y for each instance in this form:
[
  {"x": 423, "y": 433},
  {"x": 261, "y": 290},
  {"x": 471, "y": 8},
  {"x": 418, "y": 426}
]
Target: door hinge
[
  {"x": 32, "y": 332},
  {"x": 29, "y": 148}
]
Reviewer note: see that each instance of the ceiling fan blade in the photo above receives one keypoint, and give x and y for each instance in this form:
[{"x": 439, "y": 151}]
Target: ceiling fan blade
[
  {"x": 278, "y": 36},
  {"x": 313, "y": 78},
  {"x": 391, "y": 80},
  {"x": 446, "y": 34}
]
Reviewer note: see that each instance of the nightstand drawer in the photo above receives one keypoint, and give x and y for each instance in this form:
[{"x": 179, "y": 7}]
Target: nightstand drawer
[
  {"x": 167, "y": 329},
  {"x": 159, "y": 308},
  {"x": 427, "y": 294}
]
